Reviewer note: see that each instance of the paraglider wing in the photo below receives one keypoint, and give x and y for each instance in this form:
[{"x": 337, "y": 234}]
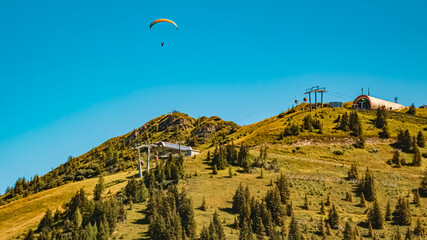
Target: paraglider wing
[{"x": 163, "y": 20}]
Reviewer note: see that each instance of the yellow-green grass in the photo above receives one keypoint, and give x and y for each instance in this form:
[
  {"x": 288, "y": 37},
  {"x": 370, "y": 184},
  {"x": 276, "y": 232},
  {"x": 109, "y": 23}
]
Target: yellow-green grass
[
  {"x": 313, "y": 170},
  {"x": 19, "y": 216}
]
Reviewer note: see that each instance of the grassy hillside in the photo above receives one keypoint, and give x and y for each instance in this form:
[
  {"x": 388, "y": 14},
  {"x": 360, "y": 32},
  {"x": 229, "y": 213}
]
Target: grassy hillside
[{"x": 316, "y": 164}]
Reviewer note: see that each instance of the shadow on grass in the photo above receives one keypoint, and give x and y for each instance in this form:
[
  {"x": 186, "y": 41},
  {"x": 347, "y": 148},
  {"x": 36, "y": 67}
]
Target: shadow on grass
[{"x": 227, "y": 210}]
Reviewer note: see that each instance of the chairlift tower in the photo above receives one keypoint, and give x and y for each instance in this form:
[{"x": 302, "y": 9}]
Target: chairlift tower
[
  {"x": 315, "y": 90},
  {"x": 138, "y": 147}
]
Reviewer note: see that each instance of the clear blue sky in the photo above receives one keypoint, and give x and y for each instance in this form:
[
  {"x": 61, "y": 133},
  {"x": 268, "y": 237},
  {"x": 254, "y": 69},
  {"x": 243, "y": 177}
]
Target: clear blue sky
[{"x": 75, "y": 73}]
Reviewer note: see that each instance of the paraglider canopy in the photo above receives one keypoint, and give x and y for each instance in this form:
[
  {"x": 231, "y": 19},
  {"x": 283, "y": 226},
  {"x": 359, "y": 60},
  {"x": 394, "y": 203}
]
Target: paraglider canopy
[{"x": 163, "y": 20}]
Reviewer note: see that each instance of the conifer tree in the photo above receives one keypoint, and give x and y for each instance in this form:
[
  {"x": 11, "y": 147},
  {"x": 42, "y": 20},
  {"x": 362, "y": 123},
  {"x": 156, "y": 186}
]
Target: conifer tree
[
  {"x": 333, "y": 217},
  {"x": 380, "y": 120},
  {"x": 370, "y": 230},
  {"x": 412, "y": 110},
  {"x": 396, "y": 159},
  {"x": 402, "y": 212},
  {"x": 90, "y": 232},
  {"x": 375, "y": 216},
  {"x": 322, "y": 208},
  {"x": 409, "y": 235},
  {"x": 266, "y": 219},
  {"x": 417, "y": 198},
  {"x": 219, "y": 231},
  {"x": 367, "y": 186},
  {"x": 328, "y": 200},
  {"x": 30, "y": 235},
  {"x": 322, "y": 229},
  {"x": 420, "y": 229},
  {"x": 398, "y": 235},
  {"x": 205, "y": 235},
  {"x": 46, "y": 221},
  {"x": 214, "y": 171},
  {"x": 417, "y": 156},
  {"x": 385, "y": 133},
  {"x": 388, "y": 212},
  {"x": 289, "y": 209},
  {"x": 360, "y": 142},
  {"x": 275, "y": 206},
  {"x": 230, "y": 172},
  {"x": 204, "y": 206},
  {"x": 294, "y": 232},
  {"x": 420, "y": 139},
  {"x": 283, "y": 187},
  {"x": 306, "y": 202},
  {"x": 77, "y": 219},
  {"x": 404, "y": 140},
  {"x": 328, "y": 229},
  {"x": 423, "y": 185},
  {"x": 349, "y": 233},
  {"x": 353, "y": 173},
  {"x": 99, "y": 188},
  {"x": 245, "y": 231},
  {"x": 344, "y": 122}
]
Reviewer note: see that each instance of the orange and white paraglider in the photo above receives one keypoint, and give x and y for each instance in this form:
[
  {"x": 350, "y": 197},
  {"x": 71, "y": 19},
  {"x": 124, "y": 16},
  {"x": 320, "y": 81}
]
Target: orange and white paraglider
[{"x": 163, "y": 20}]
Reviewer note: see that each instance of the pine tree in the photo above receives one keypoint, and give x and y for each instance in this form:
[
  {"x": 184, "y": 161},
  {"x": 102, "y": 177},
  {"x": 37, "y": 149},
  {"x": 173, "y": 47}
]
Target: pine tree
[
  {"x": 333, "y": 217},
  {"x": 90, "y": 232},
  {"x": 417, "y": 198},
  {"x": 30, "y": 235},
  {"x": 402, "y": 212},
  {"x": 344, "y": 122},
  {"x": 214, "y": 171},
  {"x": 375, "y": 216},
  {"x": 398, "y": 235},
  {"x": 420, "y": 139},
  {"x": 412, "y": 110},
  {"x": 294, "y": 232},
  {"x": 381, "y": 119},
  {"x": 322, "y": 208},
  {"x": 283, "y": 186},
  {"x": 349, "y": 233},
  {"x": 417, "y": 155},
  {"x": 77, "y": 218},
  {"x": 104, "y": 230},
  {"x": 219, "y": 231},
  {"x": 420, "y": 229},
  {"x": 230, "y": 172},
  {"x": 204, "y": 206},
  {"x": 396, "y": 159},
  {"x": 360, "y": 142},
  {"x": 205, "y": 235},
  {"x": 353, "y": 173},
  {"x": 388, "y": 212},
  {"x": 328, "y": 229},
  {"x": 99, "y": 188},
  {"x": 367, "y": 186},
  {"x": 289, "y": 209},
  {"x": 423, "y": 185},
  {"x": 306, "y": 202},
  {"x": 404, "y": 140},
  {"x": 348, "y": 197},
  {"x": 385, "y": 133},
  {"x": 409, "y": 235},
  {"x": 46, "y": 221},
  {"x": 273, "y": 203},
  {"x": 328, "y": 200},
  {"x": 245, "y": 231},
  {"x": 322, "y": 229},
  {"x": 370, "y": 230}
]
